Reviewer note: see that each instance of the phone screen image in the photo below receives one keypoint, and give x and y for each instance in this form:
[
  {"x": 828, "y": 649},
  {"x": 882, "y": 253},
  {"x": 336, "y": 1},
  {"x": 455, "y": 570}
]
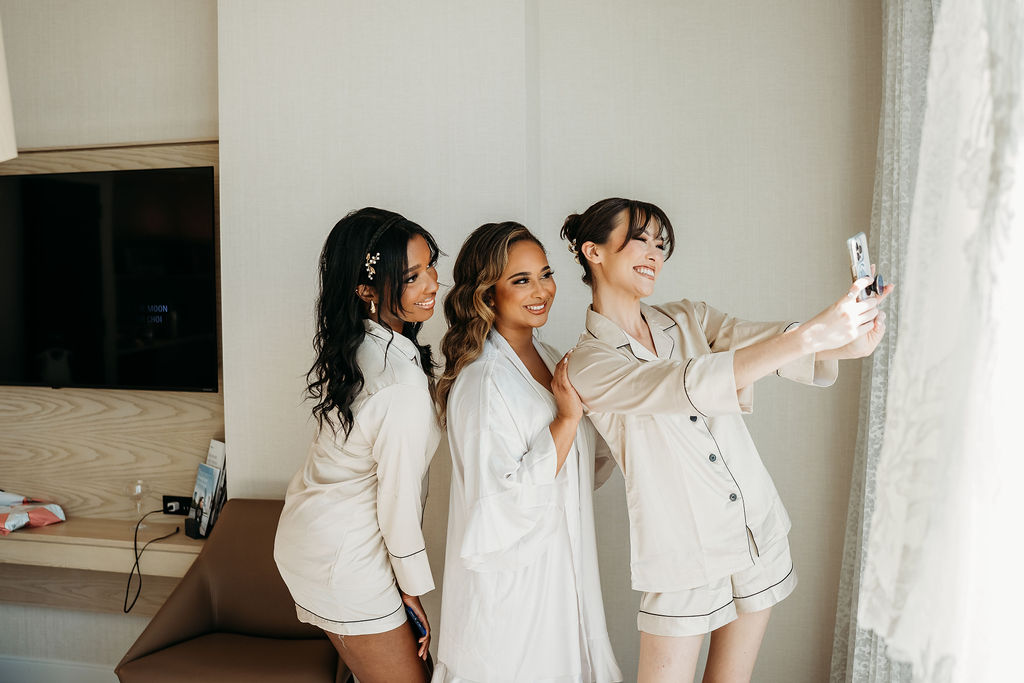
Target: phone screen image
[{"x": 860, "y": 263}]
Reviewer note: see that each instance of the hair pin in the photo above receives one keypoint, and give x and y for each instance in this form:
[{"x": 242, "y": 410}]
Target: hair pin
[
  {"x": 572, "y": 250},
  {"x": 371, "y": 261}
]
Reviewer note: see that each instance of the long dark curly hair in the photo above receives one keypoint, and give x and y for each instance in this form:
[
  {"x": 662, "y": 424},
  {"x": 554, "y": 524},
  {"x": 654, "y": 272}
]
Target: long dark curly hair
[
  {"x": 478, "y": 267},
  {"x": 335, "y": 379}
]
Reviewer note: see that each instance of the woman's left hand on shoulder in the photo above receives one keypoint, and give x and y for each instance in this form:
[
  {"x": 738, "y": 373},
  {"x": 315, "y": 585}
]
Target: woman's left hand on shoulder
[{"x": 570, "y": 406}]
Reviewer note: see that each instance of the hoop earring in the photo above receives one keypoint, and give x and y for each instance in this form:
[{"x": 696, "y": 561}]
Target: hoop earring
[{"x": 373, "y": 308}]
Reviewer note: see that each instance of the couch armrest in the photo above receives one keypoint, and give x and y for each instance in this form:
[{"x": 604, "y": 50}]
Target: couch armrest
[{"x": 186, "y": 614}]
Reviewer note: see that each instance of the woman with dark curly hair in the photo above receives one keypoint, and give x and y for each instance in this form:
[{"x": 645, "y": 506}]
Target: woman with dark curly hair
[
  {"x": 349, "y": 543},
  {"x": 522, "y": 599}
]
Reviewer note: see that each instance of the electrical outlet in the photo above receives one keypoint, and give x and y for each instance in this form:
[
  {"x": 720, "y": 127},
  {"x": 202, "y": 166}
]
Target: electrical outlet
[{"x": 176, "y": 505}]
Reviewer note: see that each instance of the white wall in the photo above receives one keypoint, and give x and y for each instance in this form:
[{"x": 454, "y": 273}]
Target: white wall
[{"x": 753, "y": 125}]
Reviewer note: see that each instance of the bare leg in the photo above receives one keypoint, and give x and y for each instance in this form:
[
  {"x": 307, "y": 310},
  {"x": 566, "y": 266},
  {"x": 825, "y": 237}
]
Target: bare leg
[
  {"x": 734, "y": 648},
  {"x": 668, "y": 659},
  {"x": 388, "y": 657}
]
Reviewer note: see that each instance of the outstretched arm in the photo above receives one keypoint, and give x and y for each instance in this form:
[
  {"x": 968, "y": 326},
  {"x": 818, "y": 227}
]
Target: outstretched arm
[{"x": 832, "y": 334}]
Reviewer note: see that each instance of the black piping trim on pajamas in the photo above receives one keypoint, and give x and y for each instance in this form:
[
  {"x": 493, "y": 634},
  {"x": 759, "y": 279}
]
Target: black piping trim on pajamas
[
  {"x": 743, "y": 499},
  {"x": 355, "y": 621},
  {"x": 402, "y": 557},
  {"x": 744, "y": 597},
  {"x": 686, "y": 371},
  {"x": 784, "y": 331},
  {"x": 687, "y": 616},
  {"x": 735, "y": 597}
]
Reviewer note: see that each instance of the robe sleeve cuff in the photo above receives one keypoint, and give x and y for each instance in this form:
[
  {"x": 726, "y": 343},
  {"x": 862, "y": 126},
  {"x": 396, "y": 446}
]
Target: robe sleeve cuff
[{"x": 538, "y": 465}]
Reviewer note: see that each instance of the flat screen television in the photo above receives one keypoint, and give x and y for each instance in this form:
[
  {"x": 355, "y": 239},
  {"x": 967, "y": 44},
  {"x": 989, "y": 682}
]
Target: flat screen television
[{"x": 108, "y": 279}]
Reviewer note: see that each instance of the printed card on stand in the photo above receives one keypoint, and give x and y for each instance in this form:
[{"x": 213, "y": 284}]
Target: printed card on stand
[
  {"x": 203, "y": 499},
  {"x": 216, "y": 456}
]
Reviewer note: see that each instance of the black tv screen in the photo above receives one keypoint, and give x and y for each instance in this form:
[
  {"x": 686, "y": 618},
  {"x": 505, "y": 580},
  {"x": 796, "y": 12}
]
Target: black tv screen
[{"x": 108, "y": 280}]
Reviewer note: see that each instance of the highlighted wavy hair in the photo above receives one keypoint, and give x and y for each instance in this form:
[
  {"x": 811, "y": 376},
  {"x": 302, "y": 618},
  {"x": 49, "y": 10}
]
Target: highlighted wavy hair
[{"x": 479, "y": 266}]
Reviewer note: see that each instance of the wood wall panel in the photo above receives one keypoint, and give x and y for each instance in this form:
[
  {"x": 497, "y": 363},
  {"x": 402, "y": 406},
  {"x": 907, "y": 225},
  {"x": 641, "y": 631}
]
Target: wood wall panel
[{"x": 79, "y": 447}]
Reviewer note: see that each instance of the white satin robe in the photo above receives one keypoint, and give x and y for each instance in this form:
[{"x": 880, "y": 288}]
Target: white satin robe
[{"x": 522, "y": 593}]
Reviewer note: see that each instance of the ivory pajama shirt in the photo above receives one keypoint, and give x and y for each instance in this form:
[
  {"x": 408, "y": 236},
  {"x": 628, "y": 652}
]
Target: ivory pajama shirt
[{"x": 350, "y": 533}]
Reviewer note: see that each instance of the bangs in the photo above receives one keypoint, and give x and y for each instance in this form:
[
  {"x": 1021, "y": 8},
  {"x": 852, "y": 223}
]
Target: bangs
[{"x": 642, "y": 215}]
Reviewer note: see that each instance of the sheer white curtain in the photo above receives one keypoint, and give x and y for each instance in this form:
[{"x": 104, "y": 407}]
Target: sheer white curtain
[
  {"x": 859, "y": 654},
  {"x": 941, "y": 579},
  {"x": 8, "y": 146}
]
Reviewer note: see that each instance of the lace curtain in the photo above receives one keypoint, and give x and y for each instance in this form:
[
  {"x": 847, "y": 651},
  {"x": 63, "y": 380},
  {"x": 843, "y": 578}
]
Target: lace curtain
[
  {"x": 940, "y": 578},
  {"x": 8, "y": 146},
  {"x": 858, "y": 654}
]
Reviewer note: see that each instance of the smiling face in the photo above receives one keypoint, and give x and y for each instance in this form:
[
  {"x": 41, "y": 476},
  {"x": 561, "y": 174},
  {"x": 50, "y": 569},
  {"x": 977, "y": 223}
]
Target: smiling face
[
  {"x": 634, "y": 268},
  {"x": 419, "y": 285},
  {"x": 525, "y": 291}
]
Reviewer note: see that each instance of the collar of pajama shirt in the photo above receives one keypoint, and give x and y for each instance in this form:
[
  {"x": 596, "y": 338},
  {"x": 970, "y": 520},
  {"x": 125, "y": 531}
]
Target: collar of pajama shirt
[
  {"x": 399, "y": 342},
  {"x": 695, "y": 483}
]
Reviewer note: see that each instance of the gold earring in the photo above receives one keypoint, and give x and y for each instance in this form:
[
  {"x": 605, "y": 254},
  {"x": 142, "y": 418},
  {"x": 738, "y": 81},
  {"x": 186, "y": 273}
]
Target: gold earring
[{"x": 373, "y": 308}]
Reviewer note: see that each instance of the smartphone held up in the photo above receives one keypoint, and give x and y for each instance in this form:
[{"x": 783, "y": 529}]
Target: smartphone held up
[{"x": 860, "y": 265}]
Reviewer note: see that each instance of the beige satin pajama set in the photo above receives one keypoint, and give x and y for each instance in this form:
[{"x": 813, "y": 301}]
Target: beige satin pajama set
[{"x": 708, "y": 532}]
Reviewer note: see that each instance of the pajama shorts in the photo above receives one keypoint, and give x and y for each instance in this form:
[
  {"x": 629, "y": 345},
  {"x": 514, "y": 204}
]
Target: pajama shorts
[
  {"x": 359, "y": 627},
  {"x": 696, "y": 611}
]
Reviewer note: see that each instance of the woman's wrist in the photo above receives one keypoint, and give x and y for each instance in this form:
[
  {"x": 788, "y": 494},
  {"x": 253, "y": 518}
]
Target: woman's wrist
[
  {"x": 803, "y": 339},
  {"x": 565, "y": 423},
  {"x": 832, "y": 354}
]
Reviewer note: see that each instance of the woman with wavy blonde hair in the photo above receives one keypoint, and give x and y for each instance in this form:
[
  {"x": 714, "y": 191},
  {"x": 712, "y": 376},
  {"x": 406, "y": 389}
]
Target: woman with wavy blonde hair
[{"x": 523, "y": 593}]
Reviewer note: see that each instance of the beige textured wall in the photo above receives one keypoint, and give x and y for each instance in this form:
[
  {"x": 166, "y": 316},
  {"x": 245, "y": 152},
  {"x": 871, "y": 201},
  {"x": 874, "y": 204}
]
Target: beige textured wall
[
  {"x": 753, "y": 125},
  {"x": 111, "y": 71}
]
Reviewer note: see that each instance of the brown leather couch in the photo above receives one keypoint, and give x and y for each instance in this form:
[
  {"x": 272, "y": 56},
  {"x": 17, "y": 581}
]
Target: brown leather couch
[{"x": 231, "y": 617}]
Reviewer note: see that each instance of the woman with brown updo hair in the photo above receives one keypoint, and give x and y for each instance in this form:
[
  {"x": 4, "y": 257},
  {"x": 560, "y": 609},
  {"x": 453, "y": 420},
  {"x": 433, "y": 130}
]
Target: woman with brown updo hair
[
  {"x": 522, "y": 599},
  {"x": 666, "y": 386}
]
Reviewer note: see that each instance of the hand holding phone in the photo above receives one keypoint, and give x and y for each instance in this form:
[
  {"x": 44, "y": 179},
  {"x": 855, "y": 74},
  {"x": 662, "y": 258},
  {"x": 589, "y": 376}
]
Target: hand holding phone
[
  {"x": 417, "y": 620},
  {"x": 414, "y": 621},
  {"x": 860, "y": 265}
]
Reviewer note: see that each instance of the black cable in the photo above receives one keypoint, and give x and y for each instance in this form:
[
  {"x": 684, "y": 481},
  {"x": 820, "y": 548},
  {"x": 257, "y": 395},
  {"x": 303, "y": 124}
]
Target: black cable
[{"x": 138, "y": 553}]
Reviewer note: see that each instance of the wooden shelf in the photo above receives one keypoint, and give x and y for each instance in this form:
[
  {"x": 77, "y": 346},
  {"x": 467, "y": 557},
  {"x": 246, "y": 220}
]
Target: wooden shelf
[
  {"x": 81, "y": 589},
  {"x": 103, "y": 545}
]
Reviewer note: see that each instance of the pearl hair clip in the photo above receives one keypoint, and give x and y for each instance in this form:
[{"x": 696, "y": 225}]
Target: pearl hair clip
[{"x": 371, "y": 261}]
